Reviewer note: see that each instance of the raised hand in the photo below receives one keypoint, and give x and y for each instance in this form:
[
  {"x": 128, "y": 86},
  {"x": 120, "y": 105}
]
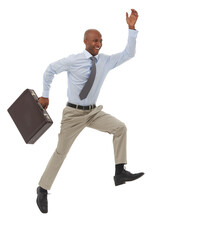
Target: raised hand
[{"x": 132, "y": 19}]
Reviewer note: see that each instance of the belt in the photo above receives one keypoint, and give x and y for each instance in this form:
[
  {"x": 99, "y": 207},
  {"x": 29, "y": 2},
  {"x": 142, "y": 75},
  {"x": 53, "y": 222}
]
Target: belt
[{"x": 81, "y": 107}]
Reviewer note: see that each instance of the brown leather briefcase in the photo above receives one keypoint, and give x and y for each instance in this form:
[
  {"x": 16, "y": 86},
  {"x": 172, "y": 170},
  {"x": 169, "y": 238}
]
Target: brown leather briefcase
[{"x": 31, "y": 119}]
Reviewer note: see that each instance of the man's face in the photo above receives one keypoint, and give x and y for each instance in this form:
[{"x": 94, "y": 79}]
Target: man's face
[{"x": 93, "y": 42}]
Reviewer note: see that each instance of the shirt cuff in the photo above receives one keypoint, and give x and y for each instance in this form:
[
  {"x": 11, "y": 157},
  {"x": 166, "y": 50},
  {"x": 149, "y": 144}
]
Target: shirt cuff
[
  {"x": 133, "y": 33},
  {"x": 45, "y": 94}
]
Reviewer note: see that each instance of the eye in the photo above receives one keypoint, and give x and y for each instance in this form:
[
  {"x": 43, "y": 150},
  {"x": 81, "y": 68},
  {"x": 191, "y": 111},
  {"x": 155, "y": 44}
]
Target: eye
[{"x": 96, "y": 40}]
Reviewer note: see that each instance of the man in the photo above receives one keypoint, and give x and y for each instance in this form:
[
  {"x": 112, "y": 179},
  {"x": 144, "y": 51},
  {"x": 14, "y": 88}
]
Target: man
[{"x": 86, "y": 73}]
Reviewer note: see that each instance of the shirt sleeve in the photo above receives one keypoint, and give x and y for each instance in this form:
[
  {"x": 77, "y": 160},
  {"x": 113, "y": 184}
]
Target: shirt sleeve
[
  {"x": 54, "y": 68},
  {"x": 117, "y": 59}
]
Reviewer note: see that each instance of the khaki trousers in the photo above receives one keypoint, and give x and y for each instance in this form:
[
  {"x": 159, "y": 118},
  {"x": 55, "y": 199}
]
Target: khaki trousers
[{"x": 73, "y": 122}]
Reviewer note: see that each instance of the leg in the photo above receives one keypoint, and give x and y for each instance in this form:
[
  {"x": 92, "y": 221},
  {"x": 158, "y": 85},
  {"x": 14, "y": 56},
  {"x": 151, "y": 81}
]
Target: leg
[
  {"x": 72, "y": 124},
  {"x": 107, "y": 123}
]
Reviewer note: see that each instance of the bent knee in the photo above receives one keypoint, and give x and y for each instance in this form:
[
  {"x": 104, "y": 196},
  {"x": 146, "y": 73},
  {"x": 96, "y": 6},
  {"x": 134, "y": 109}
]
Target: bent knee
[{"x": 122, "y": 129}]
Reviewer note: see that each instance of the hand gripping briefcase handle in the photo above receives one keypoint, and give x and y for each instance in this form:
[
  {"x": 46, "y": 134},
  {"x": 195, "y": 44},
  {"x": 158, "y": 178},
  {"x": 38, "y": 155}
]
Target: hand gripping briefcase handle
[{"x": 31, "y": 119}]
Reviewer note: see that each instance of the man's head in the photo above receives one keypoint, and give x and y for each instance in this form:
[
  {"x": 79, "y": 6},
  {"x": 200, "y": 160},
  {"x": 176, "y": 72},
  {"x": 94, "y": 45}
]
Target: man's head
[{"x": 93, "y": 41}]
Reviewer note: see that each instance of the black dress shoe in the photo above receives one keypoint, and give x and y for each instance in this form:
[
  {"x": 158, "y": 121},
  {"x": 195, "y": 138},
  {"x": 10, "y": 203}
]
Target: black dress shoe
[
  {"x": 126, "y": 176},
  {"x": 42, "y": 199}
]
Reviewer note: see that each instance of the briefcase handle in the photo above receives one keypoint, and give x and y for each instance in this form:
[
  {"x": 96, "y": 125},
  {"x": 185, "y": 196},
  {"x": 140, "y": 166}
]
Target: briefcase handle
[{"x": 46, "y": 115}]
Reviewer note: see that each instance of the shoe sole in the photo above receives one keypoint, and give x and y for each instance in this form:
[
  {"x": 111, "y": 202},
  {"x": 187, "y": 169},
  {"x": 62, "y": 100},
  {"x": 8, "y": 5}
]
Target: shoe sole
[{"x": 117, "y": 183}]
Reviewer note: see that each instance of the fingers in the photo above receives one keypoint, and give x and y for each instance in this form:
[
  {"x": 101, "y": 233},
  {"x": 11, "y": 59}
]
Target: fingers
[
  {"x": 45, "y": 106},
  {"x": 126, "y": 15},
  {"x": 44, "y": 102},
  {"x": 134, "y": 12}
]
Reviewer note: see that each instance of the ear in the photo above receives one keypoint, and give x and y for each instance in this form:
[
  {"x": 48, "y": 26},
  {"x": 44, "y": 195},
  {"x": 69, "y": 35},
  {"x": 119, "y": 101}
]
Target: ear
[{"x": 85, "y": 42}]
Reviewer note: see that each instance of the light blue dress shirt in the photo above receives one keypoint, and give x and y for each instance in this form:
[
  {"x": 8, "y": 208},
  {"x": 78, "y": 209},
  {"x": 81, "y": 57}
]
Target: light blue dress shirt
[{"x": 78, "y": 70}]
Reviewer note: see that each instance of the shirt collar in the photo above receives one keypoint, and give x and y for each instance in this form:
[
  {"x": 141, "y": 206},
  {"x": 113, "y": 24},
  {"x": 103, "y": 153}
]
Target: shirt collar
[{"x": 88, "y": 55}]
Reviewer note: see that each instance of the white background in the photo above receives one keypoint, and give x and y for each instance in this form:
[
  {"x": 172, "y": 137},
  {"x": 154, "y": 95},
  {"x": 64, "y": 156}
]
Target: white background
[{"x": 157, "y": 95}]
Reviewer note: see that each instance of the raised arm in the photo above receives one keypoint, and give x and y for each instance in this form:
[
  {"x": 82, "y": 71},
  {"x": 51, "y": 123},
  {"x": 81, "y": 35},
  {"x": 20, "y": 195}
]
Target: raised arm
[{"x": 129, "y": 51}]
